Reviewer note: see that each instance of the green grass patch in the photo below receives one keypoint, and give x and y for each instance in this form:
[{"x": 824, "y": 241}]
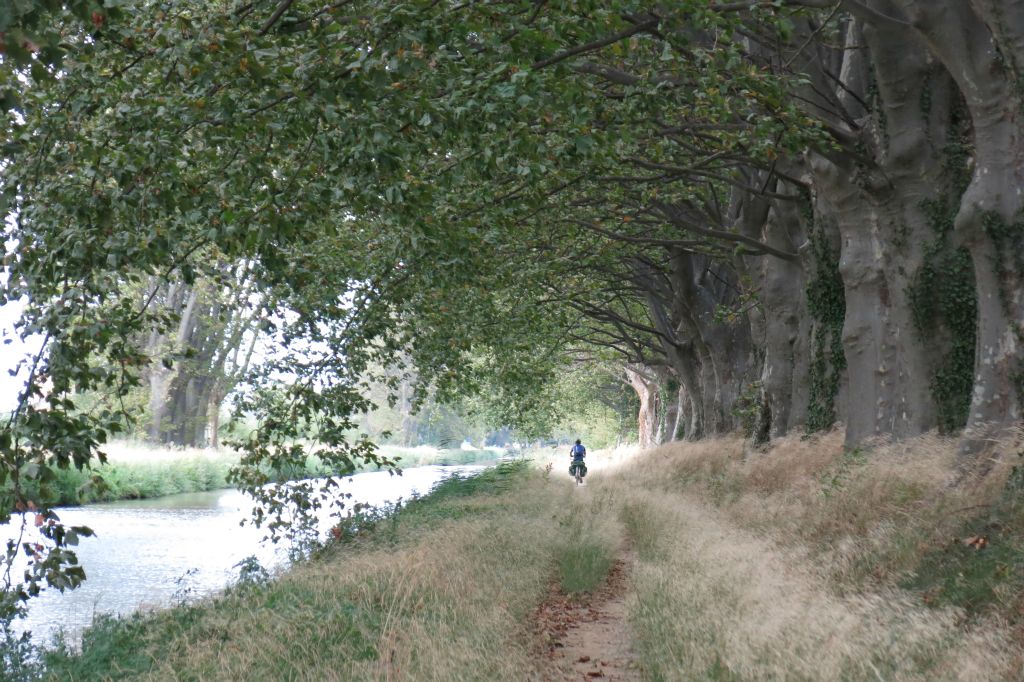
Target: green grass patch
[
  {"x": 122, "y": 648},
  {"x": 585, "y": 558},
  {"x": 449, "y": 499},
  {"x": 976, "y": 576},
  {"x": 147, "y": 477},
  {"x": 972, "y": 579},
  {"x": 644, "y": 529}
]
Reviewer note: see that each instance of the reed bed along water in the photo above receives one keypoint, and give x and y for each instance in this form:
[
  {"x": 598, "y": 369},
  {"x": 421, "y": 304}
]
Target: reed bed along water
[{"x": 138, "y": 471}]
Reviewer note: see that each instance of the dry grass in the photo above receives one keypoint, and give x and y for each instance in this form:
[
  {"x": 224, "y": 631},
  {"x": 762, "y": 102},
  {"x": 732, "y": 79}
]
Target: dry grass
[
  {"x": 443, "y": 608},
  {"x": 803, "y": 562},
  {"x": 786, "y": 564},
  {"x": 445, "y": 592}
]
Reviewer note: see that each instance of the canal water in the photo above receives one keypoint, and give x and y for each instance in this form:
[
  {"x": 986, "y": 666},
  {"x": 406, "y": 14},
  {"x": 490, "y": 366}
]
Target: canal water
[{"x": 154, "y": 553}]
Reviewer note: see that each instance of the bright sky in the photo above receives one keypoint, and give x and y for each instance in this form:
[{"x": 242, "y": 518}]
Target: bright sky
[
  {"x": 14, "y": 352},
  {"x": 10, "y": 355}
]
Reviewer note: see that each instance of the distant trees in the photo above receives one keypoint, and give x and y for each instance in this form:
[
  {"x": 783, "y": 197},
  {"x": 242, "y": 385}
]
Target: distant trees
[{"x": 195, "y": 364}]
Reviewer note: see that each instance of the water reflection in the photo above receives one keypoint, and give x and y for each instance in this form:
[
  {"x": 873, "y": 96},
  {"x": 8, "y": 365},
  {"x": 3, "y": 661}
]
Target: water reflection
[{"x": 155, "y": 552}]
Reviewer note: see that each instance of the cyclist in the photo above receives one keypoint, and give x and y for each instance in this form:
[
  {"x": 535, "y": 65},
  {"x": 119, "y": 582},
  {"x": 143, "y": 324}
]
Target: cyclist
[{"x": 578, "y": 454}]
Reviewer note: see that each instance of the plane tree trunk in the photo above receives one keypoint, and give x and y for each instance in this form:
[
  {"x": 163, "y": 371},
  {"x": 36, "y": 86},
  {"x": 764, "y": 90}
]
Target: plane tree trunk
[
  {"x": 644, "y": 382},
  {"x": 876, "y": 192},
  {"x": 197, "y": 366},
  {"x": 981, "y": 43}
]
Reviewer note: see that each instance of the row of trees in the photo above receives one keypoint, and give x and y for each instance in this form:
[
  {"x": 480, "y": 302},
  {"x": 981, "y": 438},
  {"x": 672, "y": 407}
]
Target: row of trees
[
  {"x": 775, "y": 215},
  {"x": 810, "y": 227}
]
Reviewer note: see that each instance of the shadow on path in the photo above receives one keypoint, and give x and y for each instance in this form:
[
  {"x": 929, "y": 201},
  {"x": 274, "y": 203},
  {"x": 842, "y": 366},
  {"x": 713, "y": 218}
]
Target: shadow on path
[{"x": 587, "y": 637}]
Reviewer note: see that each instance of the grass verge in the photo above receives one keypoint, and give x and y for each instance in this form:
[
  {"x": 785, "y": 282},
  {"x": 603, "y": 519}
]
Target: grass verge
[
  {"x": 803, "y": 562},
  {"x": 441, "y": 591},
  {"x": 587, "y": 551},
  {"x": 808, "y": 561}
]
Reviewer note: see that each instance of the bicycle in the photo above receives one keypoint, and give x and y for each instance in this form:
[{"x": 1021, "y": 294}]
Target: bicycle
[{"x": 578, "y": 470}]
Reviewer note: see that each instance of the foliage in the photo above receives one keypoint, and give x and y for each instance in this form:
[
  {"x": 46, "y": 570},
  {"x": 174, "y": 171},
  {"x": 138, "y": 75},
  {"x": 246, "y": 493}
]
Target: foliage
[
  {"x": 943, "y": 296},
  {"x": 476, "y": 197},
  {"x": 826, "y": 305},
  {"x": 943, "y": 293},
  {"x": 19, "y": 656}
]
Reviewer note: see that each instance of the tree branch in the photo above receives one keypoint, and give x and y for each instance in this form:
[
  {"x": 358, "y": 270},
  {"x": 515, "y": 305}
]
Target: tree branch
[{"x": 641, "y": 27}]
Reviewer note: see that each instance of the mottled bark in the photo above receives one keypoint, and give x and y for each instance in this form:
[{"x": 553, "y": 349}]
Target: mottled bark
[
  {"x": 876, "y": 202},
  {"x": 678, "y": 351},
  {"x": 981, "y": 43},
  {"x": 782, "y": 298},
  {"x": 675, "y": 414},
  {"x": 645, "y": 383},
  {"x": 216, "y": 326},
  {"x": 722, "y": 346},
  {"x": 176, "y": 297}
]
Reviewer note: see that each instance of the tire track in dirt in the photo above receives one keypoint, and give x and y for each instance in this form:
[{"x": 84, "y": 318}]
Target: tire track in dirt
[{"x": 587, "y": 638}]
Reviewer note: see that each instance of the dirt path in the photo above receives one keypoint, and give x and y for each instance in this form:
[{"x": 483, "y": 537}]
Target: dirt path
[{"x": 587, "y": 638}]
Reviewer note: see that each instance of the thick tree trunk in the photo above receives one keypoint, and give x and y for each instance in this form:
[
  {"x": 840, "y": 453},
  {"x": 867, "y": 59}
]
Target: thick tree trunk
[
  {"x": 159, "y": 384},
  {"x": 981, "y": 43},
  {"x": 722, "y": 347},
  {"x": 784, "y": 300},
  {"x": 991, "y": 222},
  {"x": 685, "y": 367},
  {"x": 878, "y": 210},
  {"x": 675, "y": 414},
  {"x": 645, "y": 383},
  {"x": 214, "y": 411},
  {"x": 161, "y": 378},
  {"x": 681, "y": 358},
  {"x": 888, "y": 365},
  {"x": 779, "y": 287},
  {"x": 188, "y": 418}
]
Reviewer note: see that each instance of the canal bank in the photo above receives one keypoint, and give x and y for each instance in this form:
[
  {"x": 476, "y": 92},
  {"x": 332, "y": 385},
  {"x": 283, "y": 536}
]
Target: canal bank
[
  {"x": 158, "y": 552},
  {"x": 136, "y": 471},
  {"x": 465, "y": 566}
]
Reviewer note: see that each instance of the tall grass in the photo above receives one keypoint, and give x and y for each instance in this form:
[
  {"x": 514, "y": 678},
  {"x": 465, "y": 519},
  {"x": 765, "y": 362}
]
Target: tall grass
[
  {"x": 442, "y": 592},
  {"x": 811, "y": 562},
  {"x": 589, "y": 545},
  {"x": 146, "y": 476},
  {"x": 802, "y": 562}
]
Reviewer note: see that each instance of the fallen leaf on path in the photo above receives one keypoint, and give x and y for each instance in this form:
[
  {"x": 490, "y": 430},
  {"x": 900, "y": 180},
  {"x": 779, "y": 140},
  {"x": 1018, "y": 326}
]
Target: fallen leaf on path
[
  {"x": 583, "y": 659},
  {"x": 976, "y": 542}
]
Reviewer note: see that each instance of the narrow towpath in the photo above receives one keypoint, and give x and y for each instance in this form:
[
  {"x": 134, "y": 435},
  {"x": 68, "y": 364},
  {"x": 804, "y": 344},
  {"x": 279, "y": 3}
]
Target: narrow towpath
[{"x": 587, "y": 638}]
